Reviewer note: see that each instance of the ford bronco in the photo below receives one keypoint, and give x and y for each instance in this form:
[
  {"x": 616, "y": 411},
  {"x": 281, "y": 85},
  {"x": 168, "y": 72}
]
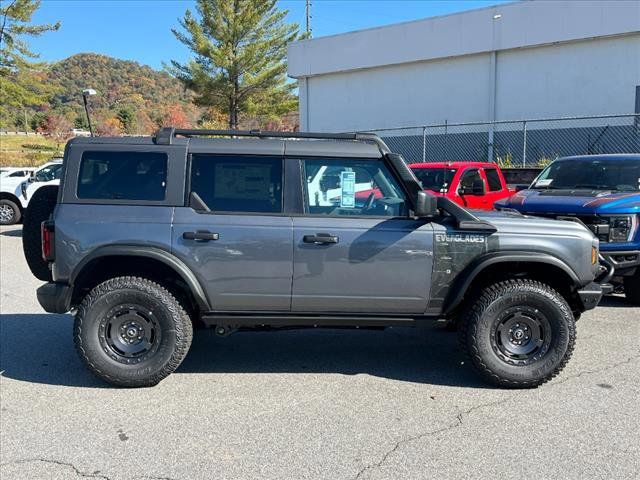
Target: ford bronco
[{"x": 148, "y": 237}]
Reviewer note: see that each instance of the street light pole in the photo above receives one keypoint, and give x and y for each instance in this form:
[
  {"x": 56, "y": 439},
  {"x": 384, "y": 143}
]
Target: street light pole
[{"x": 86, "y": 93}]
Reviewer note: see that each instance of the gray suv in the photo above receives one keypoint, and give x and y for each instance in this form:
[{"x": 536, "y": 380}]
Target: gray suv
[{"x": 148, "y": 237}]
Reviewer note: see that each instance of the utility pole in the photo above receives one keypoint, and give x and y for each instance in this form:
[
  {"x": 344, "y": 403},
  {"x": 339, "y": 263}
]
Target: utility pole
[{"x": 308, "y": 17}]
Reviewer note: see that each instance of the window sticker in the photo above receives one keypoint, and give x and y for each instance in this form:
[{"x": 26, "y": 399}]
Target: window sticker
[
  {"x": 544, "y": 183},
  {"x": 348, "y": 183}
]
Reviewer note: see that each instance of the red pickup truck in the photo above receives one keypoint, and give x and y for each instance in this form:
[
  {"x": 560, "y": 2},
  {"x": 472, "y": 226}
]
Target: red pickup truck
[{"x": 470, "y": 184}]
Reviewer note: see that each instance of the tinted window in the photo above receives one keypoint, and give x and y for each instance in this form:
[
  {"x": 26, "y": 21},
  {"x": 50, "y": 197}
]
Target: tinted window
[
  {"x": 123, "y": 175},
  {"x": 352, "y": 187},
  {"x": 469, "y": 177},
  {"x": 49, "y": 173},
  {"x": 238, "y": 183},
  {"x": 494, "y": 179},
  {"x": 591, "y": 174}
]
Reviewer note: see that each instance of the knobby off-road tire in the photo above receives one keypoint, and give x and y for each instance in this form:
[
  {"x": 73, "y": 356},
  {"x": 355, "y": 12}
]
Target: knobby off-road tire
[
  {"x": 131, "y": 332},
  {"x": 9, "y": 212},
  {"x": 39, "y": 209},
  {"x": 632, "y": 288},
  {"x": 519, "y": 333}
]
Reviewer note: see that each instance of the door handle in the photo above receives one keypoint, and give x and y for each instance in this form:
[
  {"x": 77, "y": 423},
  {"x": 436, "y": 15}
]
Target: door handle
[
  {"x": 200, "y": 236},
  {"x": 320, "y": 238}
]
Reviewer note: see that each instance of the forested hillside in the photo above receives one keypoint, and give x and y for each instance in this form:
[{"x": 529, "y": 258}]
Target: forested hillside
[{"x": 131, "y": 98}]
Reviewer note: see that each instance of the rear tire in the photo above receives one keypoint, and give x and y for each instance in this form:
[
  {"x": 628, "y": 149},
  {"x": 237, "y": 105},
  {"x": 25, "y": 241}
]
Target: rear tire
[
  {"x": 39, "y": 209},
  {"x": 131, "y": 332},
  {"x": 519, "y": 333},
  {"x": 9, "y": 212},
  {"x": 632, "y": 288}
]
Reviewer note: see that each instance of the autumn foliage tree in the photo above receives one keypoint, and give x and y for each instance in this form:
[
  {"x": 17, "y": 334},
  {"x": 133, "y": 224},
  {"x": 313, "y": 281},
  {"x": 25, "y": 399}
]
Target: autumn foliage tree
[
  {"x": 108, "y": 127},
  {"x": 240, "y": 48},
  {"x": 175, "y": 116},
  {"x": 57, "y": 127}
]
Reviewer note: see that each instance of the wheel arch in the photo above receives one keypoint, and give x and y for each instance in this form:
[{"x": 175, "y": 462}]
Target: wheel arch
[
  {"x": 13, "y": 198},
  {"x": 497, "y": 266},
  {"x": 135, "y": 260}
]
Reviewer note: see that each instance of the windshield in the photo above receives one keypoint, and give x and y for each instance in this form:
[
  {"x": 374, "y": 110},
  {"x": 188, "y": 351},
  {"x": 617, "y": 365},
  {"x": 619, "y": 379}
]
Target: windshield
[
  {"x": 436, "y": 179},
  {"x": 619, "y": 175},
  {"x": 46, "y": 174}
]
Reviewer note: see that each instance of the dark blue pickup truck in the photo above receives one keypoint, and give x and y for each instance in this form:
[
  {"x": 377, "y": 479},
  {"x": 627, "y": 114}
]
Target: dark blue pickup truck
[{"x": 603, "y": 192}]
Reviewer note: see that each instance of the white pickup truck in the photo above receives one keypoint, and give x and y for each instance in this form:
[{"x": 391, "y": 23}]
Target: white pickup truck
[{"x": 17, "y": 186}]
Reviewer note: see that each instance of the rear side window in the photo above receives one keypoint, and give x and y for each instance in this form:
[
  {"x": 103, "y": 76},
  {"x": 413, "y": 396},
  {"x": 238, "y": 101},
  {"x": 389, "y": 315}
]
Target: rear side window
[
  {"x": 123, "y": 176},
  {"x": 493, "y": 179},
  {"x": 238, "y": 183}
]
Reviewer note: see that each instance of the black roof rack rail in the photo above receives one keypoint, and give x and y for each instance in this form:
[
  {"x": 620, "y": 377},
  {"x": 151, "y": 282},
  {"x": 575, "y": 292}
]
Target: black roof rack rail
[{"x": 165, "y": 135}]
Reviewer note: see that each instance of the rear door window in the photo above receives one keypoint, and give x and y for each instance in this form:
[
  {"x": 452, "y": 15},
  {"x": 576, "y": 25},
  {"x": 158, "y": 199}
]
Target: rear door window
[
  {"x": 493, "y": 179},
  {"x": 239, "y": 183},
  {"x": 123, "y": 176}
]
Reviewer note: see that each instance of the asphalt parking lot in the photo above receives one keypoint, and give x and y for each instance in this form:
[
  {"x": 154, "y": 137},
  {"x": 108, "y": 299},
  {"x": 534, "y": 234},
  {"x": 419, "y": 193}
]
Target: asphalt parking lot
[{"x": 311, "y": 404}]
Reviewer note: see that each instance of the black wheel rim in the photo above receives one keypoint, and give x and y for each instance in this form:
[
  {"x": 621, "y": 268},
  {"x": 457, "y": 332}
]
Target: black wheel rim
[
  {"x": 129, "y": 333},
  {"x": 522, "y": 335}
]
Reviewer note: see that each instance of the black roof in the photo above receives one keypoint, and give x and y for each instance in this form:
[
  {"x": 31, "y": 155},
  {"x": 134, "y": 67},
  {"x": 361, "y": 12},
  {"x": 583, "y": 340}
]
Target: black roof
[{"x": 359, "y": 145}]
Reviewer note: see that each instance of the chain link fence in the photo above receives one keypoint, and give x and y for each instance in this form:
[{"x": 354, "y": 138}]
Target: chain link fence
[{"x": 523, "y": 143}]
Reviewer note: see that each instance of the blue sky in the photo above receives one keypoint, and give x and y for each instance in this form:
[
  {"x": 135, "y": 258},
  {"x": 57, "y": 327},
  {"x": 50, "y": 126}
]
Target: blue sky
[{"x": 141, "y": 29}]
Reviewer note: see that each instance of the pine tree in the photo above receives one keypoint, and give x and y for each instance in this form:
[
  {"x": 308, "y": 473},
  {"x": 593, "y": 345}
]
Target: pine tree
[
  {"x": 21, "y": 81},
  {"x": 240, "y": 48}
]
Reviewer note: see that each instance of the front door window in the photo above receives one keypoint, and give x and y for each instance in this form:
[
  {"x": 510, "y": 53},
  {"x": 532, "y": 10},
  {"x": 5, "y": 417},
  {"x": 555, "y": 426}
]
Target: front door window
[{"x": 352, "y": 187}]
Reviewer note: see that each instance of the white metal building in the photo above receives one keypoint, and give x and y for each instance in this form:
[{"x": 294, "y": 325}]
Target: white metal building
[{"x": 529, "y": 59}]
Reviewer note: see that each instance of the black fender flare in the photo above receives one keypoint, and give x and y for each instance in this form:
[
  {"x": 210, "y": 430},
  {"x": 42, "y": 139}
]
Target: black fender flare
[
  {"x": 170, "y": 260},
  {"x": 468, "y": 275}
]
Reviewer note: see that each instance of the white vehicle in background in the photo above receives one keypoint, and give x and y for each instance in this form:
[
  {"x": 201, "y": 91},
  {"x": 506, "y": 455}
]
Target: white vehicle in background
[
  {"x": 48, "y": 174},
  {"x": 16, "y": 172},
  {"x": 80, "y": 132},
  {"x": 16, "y": 192},
  {"x": 10, "y": 205}
]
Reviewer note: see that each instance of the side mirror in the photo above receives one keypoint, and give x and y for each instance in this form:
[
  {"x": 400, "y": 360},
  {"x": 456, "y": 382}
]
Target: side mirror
[{"x": 426, "y": 205}]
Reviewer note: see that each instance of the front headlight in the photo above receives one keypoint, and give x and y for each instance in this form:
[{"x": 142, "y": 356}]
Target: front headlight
[{"x": 622, "y": 228}]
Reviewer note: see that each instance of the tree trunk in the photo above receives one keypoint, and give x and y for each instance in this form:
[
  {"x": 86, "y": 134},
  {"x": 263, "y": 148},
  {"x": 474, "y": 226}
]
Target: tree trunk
[{"x": 233, "y": 114}]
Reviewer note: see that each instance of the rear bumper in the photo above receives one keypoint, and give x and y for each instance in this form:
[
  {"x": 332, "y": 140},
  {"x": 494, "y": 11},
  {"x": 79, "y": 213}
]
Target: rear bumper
[
  {"x": 54, "y": 297},
  {"x": 590, "y": 295}
]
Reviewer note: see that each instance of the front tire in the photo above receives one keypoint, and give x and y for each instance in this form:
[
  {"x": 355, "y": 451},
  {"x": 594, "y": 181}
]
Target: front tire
[
  {"x": 519, "y": 333},
  {"x": 9, "y": 212},
  {"x": 632, "y": 288},
  {"x": 131, "y": 332}
]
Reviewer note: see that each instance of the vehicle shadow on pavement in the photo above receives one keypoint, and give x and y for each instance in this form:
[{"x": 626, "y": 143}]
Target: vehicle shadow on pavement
[
  {"x": 39, "y": 348},
  {"x": 421, "y": 355},
  {"x": 11, "y": 233},
  {"x": 615, "y": 301}
]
